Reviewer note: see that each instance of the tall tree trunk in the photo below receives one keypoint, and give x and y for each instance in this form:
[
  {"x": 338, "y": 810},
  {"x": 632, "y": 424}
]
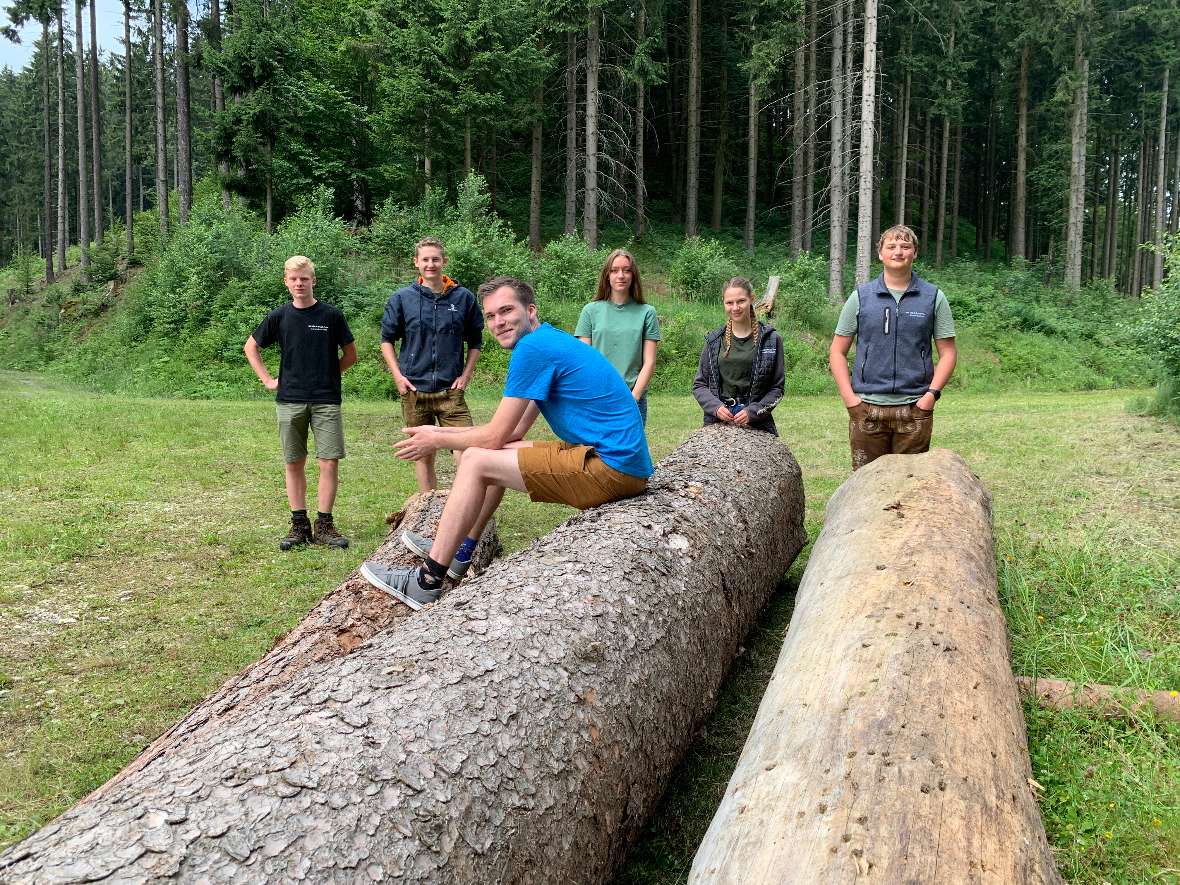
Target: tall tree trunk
[
  {"x": 640, "y": 126},
  {"x": 1020, "y": 196},
  {"x": 1157, "y": 273},
  {"x": 129, "y": 220},
  {"x": 902, "y": 169},
  {"x": 879, "y": 165},
  {"x": 83, "y": 171},
  {"x": 63, "y": 209},
  {"x": 693, "y": 160},
  {"x": 184, "y": 129},
  {"x": 95, "y": 127},
  {"x": 798, "y": 149},
  {"x": 751, "y": 163},
  {"x": 218, "y": 91},
  {"x": 521, "y": 729},
  {"x": 1109, "y": 250},
  {"x": 535, "y": 173},
  {"x": 989, "y": 203},
  {"x": 927, "y": 174},
  {"x": 838, "y": 232},
  {"x": 571, "y": 134},
  {"x": 1135, "y": 226},
  {"x": 812, "y": 125},
  {"x": 720, "y": 158},
  {"x": 590, "y": 206},
  {"x": 1174, "y": 218},
  {"x": 1077, "y": 164},
  {"x": 954, "y": 244},
  {"x": 161, "y": 145},
  {"x": 849, "y": 125},
  {"x": 46, "y": 156},
  {"x": 868, "y": 114},
  {"x": 940, "y": 205},
  {"x": 1096, "y": 201}
]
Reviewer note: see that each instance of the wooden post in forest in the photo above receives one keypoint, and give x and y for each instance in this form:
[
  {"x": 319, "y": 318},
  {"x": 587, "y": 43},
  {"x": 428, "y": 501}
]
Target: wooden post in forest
[
  {"x": 521, "y": 729},
  {"x": 890, "y": 744}
]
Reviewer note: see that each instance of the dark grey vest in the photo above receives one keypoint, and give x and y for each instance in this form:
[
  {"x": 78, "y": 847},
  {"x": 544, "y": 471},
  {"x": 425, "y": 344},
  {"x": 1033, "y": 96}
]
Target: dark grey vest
[{"x": 893, "y": 338}]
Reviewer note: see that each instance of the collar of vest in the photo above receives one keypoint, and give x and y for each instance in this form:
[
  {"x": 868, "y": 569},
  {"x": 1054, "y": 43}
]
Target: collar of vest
[{"x": 914, "y": 287}]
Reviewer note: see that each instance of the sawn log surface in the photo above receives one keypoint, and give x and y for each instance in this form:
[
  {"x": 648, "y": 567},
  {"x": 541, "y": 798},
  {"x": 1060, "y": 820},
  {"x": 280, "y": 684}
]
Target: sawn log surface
[
  {"x": 519, "y": 730},
  {"x": 890, "y": 744}
]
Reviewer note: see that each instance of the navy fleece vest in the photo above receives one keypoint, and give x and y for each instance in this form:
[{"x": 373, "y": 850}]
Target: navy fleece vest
[{"x": 893, "y": 339}]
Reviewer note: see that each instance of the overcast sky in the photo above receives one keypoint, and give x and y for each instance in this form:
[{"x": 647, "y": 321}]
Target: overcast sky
[{"x": 110, "y": 33}]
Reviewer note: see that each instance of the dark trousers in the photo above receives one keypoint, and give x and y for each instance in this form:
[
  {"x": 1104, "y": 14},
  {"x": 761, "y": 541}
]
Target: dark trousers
[{"x": 874, "y": 431}]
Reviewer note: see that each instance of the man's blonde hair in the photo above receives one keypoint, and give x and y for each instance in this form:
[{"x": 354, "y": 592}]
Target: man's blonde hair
[
  {"x": 899, "y": 232},
  {"x": 430, "y": 241},
  {"x": 299, "y": 262}
]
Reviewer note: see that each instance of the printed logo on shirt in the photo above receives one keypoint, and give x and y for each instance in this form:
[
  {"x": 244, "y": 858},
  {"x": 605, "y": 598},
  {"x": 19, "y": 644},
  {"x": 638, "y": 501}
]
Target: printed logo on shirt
[
  {"x": 316, "y": 327},
  {"x": 768, "y": 350},
  {"x": 914, "y": 313},
  {"x": 453, "y": 309}
]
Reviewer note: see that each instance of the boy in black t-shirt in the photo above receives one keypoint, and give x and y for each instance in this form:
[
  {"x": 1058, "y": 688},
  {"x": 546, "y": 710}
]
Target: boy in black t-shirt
[{"x": 315, "y": 348}]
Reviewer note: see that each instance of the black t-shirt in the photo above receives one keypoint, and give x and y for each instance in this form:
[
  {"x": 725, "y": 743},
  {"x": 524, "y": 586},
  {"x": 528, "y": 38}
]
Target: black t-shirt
[{"x": 309, "y": 340}]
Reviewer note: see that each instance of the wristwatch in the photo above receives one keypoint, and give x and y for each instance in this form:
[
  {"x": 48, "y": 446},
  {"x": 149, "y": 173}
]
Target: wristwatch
[{"x": 937, "y": 393}]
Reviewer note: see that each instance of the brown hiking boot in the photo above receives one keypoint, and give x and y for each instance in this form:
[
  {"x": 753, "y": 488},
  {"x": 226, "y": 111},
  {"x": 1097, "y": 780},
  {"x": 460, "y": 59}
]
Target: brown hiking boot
[
  {"x": 300, "y": 533},
  {"x": 326, "y": 533}
]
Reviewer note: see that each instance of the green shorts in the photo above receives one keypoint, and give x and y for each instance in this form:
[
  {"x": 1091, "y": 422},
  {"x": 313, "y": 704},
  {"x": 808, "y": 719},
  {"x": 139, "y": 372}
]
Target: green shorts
[{"x": 326, "y": 424}]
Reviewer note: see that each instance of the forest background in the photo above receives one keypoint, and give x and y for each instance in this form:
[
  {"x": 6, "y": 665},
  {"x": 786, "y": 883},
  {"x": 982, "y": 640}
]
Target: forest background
[{"x": 1034, "y": 147}]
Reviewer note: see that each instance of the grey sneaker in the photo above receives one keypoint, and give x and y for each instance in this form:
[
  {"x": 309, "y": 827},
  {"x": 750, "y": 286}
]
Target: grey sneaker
[
  {"x": 401, "y": 583},
  {"x": 420, "y": 545}
]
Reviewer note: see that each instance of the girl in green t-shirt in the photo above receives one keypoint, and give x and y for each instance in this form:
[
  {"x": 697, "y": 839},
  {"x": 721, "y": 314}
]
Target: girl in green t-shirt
[{"x": 621, "y": 326}]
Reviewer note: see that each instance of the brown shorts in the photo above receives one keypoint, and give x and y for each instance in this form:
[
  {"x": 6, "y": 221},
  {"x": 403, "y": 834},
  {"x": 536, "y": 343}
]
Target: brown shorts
[
  {"x": 562, "y": 473},
  {"x": 874, "y": 431},
  {"x": 446, "y": 408}
]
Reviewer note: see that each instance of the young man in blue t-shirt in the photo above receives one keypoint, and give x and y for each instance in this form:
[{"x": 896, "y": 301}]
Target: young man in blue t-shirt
[{"x": 602, "y": 455}]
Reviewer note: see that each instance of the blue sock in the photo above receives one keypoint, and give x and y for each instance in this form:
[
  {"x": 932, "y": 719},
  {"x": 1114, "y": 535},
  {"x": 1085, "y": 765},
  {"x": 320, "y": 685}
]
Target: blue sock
[{"x": 466, "y": 550}]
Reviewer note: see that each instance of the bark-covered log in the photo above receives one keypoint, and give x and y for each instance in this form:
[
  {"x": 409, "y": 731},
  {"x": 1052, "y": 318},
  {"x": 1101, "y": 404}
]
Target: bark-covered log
[
  {"x": 519, "y": 730},
  {"x": 345, "y": 618},
  {"x": 890, "y": 744}
]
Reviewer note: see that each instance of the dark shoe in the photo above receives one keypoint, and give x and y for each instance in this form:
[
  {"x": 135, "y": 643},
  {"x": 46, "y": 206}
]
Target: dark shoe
[
  {"x": 300, "y": 533},
  {"x": 400, "y": 583},
  {"x": 420, "y": 546},
  {"x": 326, "y": 533}
]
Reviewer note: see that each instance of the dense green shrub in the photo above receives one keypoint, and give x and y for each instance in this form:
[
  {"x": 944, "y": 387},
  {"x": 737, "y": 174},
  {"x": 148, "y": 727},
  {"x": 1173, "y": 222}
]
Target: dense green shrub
[
  {"x": 802, "y": 300},
  {"x": 699, "y": 268},
  {"x": 1156, "y": 330},
  {"x": 568, "y": 268}
]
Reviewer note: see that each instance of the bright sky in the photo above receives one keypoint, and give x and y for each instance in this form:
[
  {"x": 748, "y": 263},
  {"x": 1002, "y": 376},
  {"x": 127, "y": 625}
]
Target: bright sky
[{"x": 110, "y": 33}]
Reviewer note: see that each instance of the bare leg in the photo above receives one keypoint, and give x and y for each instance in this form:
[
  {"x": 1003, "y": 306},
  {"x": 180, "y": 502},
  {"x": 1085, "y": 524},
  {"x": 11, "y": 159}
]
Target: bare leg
[
  {"x": 424, "y": 472},
  {"x": 296, "y": 482},
  {"x": 479, "y": 486},
  {"x": 329, "y": 480}
]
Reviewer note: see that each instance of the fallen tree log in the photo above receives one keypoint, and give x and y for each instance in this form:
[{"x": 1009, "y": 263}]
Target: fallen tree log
[
  {"x": 1106, "y": 700},
  {"x": 345, "y": 618},
  {"x": 890, "y": 743},
  {"x": 519, "y": 730}
]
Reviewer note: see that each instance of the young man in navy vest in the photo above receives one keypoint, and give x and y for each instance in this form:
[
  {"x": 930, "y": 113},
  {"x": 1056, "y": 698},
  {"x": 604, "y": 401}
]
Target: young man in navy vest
[{"x": 895, "y": 383}]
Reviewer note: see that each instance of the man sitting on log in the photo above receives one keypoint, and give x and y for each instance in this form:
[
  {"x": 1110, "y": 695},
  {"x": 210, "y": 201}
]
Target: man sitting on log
[
  {"x": 891, "y": 392},
  {"x": 601, "y": 455}
]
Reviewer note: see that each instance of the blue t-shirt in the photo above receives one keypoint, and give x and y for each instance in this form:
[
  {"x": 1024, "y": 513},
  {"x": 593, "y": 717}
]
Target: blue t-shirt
[{"x": 583, "y": 398}]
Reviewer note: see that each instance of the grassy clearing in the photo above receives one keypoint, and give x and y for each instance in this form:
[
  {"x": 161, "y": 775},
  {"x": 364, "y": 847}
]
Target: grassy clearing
[{"x": 138, "y": 569}]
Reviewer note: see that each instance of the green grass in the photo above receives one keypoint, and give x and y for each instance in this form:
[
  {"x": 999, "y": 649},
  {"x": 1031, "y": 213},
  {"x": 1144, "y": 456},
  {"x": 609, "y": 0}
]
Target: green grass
[{"x": 139, "y": 569}]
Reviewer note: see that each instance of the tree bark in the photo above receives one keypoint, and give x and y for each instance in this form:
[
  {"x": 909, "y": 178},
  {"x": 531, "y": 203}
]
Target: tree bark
[
  {"x": 640, "y": 124},
  {"x": 1174, "y": 217},
  {"x": 954, "y": 243},
  {"x": 812, "y": 129},
  {"x": 46, "y": 156},
  {"x": 95, "y": 128},
  {"x": 903, "y": 156},
  {"x": 721, "y": 157},
  {"x": 184, "y": 129},
  {"x": 128, "y": 212},
  {"x": 927, "y": 166},
  {"x": 838, "y": 231},
  {"x": 1109, "y": 249},
  {"x": 1020, "y": 195},
  {"x": 693, "y": 134},
  {"x": 940, "y": 205},
  {"x": 1157, "y": 272},
  {"x": 989, "y": 203},
  {"x": 590, "y": 199},
  {"x": 535, "y": 172},
  {"x": 868, "y": 114},
  {"x": 1077, "y": 164},
  {"x": 798, "y": 148},
  {"x": 218, "y": 90},
  {"x": 571, "y": 134},
  {"x": 519, "y": 730},
  {"x": 83, "y": 171},
  {"x": 751, "y": 163},
  {"x": 890, "y": 744},
  {"x": 63, "y": 230},
  {"x": 161, "y": 146}
]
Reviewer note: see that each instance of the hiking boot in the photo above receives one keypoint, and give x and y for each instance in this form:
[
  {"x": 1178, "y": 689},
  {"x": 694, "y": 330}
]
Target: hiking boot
[
  {"x": 400, "y": 582},
  {"x": 420, "y": 545},
  {"x": 326, "y": 533},
  {"x": 300, "y": 533}
]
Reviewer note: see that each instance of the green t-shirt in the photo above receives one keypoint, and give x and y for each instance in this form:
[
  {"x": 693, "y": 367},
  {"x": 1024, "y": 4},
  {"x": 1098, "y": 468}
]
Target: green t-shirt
[
  {"x": 618, "y": 331},
  {"x": 736, "y": 368},
  {"x": 944, "y": 327}
]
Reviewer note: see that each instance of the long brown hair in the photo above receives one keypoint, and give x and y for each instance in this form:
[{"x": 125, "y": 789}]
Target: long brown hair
[
  {"x": 636, "y": 290},
  {"x": 747, "y": 287}
]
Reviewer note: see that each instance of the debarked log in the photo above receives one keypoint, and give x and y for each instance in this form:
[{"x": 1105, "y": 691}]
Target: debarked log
[
  {"x": 1105, "y": 700},
  {"x": 890, "y": 744},
  {"x": 342, "y": 620},
  {"x": 519, "y": 730}
]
